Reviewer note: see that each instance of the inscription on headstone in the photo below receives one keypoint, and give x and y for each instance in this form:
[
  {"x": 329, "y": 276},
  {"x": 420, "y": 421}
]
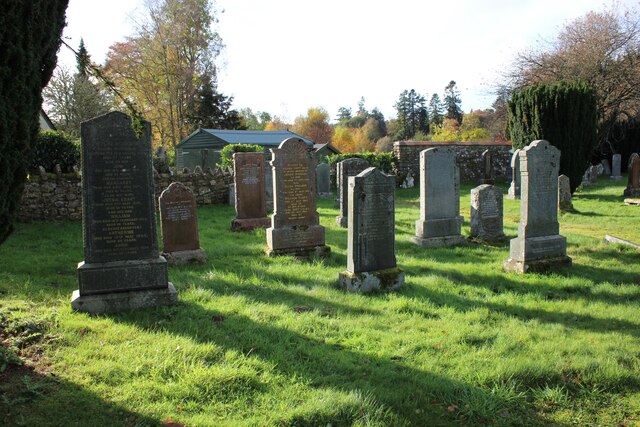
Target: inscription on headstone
[
  {"x": 371, "y": 259},
  {"x": 538, "y": 245},
  {"x": 514, "y": 188},
  {"x": 249, "y": 195},
  {"x": 295, "y": 225},
  {"x": 179, "y": 225},
  {"x": 440, "y": 221},
  {"x": 122, "y": 267},
  {"x": 486, "y": 213},
  {"x": 347, "y": 168}
]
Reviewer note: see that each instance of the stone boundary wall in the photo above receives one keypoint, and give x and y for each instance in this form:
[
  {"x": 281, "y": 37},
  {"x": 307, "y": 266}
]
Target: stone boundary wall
[
  {"x": 57, "y": 196},
  {"x": 469, "y": 156}
]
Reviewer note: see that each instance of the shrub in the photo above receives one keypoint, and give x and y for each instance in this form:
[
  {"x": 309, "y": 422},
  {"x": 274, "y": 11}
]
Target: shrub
[
  {"x": 53, "y": 147},
  {"x": 226, "y": 155},
  {"x": 386, "y": 162}
]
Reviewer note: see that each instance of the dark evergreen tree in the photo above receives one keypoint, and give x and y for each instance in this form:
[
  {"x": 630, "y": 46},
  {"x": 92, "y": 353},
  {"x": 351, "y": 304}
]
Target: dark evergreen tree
[
  {"x": 212, "y": 110},
  {"x": 452, "y": 102},
  {"x": 377, "y": 114},
  {"x": 344, "y": 115},
  {"x": 29, "y": 40},
  {"x": 562, "y": 113},
  {"x": 83, "y": 60},
  {"x": 412, "y": 115},
  {"x": 436, "y": 110}
]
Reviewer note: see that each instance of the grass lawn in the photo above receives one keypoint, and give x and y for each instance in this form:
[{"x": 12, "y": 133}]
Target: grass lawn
[{"x": 271, "y": 341}]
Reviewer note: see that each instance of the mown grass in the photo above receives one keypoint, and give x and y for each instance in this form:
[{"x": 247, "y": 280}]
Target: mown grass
[{"x": 272, "y": 341}]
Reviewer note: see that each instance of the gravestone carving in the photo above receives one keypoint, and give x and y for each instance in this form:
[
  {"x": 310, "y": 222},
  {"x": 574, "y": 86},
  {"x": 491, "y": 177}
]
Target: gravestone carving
[
  {"x": 371, "y": 258},
  {"x": 487, "y": 213},
  {"x": 514, "y": 188},
  {"x": 249, "y": 195},
  {"x": 122, "y": 268},
  {"x": 539, "y": 246},
  {"x": 345, "y": 169},
  {"x": 440, "y": 221},
  {"x": 179, "y": 226},
  {"x": 295, "y": 227}
]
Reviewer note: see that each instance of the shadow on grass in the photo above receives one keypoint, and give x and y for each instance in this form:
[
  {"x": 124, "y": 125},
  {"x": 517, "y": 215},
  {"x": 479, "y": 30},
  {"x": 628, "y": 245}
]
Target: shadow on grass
[{"x": 331, "y": 366}]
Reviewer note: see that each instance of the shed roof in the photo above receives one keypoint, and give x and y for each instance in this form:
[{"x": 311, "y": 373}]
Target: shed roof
[{"x": 256, "y": 137}]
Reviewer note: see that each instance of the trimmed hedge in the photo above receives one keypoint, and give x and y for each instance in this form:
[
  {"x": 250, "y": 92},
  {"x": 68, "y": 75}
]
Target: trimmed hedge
[
  {"x": 386, "y": 162},
  {"x": 226, "y": 155},
  {"x": 53, "y": 147}
]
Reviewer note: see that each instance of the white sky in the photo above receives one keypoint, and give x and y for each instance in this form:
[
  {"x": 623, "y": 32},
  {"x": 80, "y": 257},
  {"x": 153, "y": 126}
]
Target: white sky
[{"x": 284, "y": 56}]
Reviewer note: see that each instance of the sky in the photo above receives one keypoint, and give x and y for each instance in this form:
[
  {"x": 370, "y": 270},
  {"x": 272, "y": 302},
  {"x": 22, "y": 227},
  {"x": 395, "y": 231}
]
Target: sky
[{"x": 286, "y": 56}]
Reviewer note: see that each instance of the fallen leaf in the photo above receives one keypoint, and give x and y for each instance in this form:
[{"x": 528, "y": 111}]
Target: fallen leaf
[{"x": 452, "y": 408}]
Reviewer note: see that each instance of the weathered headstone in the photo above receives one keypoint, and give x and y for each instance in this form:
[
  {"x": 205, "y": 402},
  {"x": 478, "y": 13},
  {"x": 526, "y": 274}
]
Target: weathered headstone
[
  {"x": 487, "y": 168},
  {"x": 345, "y": 169},
  {"x": 408, "y": 182},
  {"x": 231, "y": 188},
  {"x": 122, "y": 268},
  {"x": 633, "y": 181},
  {"x": 268, "y": 186},
  {"x": 539, "y": 246},
  {"x": 440, "y": 221},
  {"x": 295, "y": 225},
  {"x": 487, "y": 213},
  {"x": 616, "y": 167},
  {"x": 371, "y": 258},
  {"x": 179, "y": 226},
  {"x": 586, "y": 178},
  {"x": 249, "y": 195},
  {"x": 564, "y": 193},
  {"x": 514, "y": 188},
  {"x": 606, "y": 169},
  {"x": 323, "y": 180},
  {"x": 593, "y": 173}
]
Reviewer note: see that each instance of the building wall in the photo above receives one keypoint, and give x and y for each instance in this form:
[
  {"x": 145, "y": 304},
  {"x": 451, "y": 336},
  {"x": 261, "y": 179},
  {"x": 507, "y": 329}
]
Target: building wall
[{"x": 469, "y": 155}]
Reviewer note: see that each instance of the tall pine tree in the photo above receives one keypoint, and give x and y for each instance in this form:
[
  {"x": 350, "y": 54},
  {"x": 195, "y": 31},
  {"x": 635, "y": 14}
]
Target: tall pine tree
[
  {"x": 30, "y": 34},
  {"x": 452, "y": 102}
]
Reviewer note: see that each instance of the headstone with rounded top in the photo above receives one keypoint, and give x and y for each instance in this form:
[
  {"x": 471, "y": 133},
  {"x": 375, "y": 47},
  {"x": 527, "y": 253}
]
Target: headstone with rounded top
[
  {"x": 345, "y": 169},
  {"x": 487, "y": 168},
  {"x": 539, "y": 246},
  {"x": 514, "y": 188},
  {"x": 249, "y": 195},
  {"x": 487, "y": 213},
  {"x": 633, "y": 181},
  {"x": 564, "y": 193}
]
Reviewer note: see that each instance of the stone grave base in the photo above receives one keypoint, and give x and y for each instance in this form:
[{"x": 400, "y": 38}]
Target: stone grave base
[
  {"x": 632, "y": 202},
  {"x": 321, "y": 251},
  {"x": 536, "y": 265},
  {"x": 123, "y": 301},
  {"x": 440, "y": 241},
  {"x": 196, "y": 256},
  {"x": 370, "y": 281},
  {"x": 248, "y": 224},
  {"x": 117, "y": 276},
  {"x": 632, "y": 192},
  {"x": 325, "y": 195},
  {"x": 342, "y": 221}
]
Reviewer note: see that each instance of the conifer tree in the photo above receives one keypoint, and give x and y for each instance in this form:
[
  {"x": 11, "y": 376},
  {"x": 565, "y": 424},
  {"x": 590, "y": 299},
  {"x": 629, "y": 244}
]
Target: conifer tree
[{"x": 452, "y": 102}]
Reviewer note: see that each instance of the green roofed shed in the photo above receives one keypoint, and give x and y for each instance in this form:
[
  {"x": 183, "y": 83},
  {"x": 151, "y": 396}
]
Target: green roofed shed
[{"x": 202, "y": 147}]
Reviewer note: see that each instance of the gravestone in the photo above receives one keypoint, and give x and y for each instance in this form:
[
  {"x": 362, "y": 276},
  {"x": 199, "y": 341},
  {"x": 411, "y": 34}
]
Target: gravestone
[
  {"x": 539, "y": 246},
  {"x": 487, "y": 213},
  {"x": 122, "y": 268},
  {"x": 593, "y": 173},
  {"x": 440, "y": 221},
  {"x": 564, "y": 193},
  {"x": 323, "y": 181},
  {"x": 408, "y": 182},
  {"x": 487, "y": 168},
  {"x": 295, "y": 226},
  {"x": 616, "y": 167},
  {"x": 268, "y": 186},
  {"x": 633, "y": 181},
  {"x": 371, "y": 258},
  {"x": 586, "y": 178},
  {"x": 606, "y": 169},
  {"x": 250, "y": 197},
  {"x": 514, "y": 188},
  {"x": 345, "y": 169},
  {"x": 179, "y": 226}
]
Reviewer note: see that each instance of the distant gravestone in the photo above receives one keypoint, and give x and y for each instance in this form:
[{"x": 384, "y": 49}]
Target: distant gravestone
[
  {"x": 487, "y": 213},
  {"x": 538, "y": 246},
  {"x": 514, "y": 188},
  {"x": 487, "y": 168},
  {"x": 616, "y": 167},
  {"x": 440, "y": 221},
  {"x": 633, "y": 181},
  {"x": 249, "y": 196},
  {"x": 586, "y": 178},
  {"x": 371, "y": 258},
  {"x": 345, "y": 169},
  {"x": 323, "y": 181},
  {"x": 593, "y": 173},
  {"x": 122, "y": 269},
  {"x": 295, "y": 227},
  {"x": 605, "y": 166},
  {"x": 408, "y": 182},
  {"x": 179, "y": 226},
  {"x": 564, "y": 193}
]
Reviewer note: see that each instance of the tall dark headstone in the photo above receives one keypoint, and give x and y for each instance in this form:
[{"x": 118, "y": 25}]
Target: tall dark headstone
[
  {"x": 514, "y": 188},
  {"x": 295, "y": 225},
  {"x": 616, "y": 167},
  {"x": 487, "y": 168},
  {"x": 323, "y": 181},
  {"x": 179, "y": 226},
  {"x": 633, "y": 181},
  {"x": 487, "y": 213},
  {"x": 250, "y": 196},
  {"x": 345, "y": 169},
  {"x": 539, "y": 246},
  {"x": 122, "y": 268},
  {"x": 440, "y": 222},
  {"x": 371, "y": 258}
]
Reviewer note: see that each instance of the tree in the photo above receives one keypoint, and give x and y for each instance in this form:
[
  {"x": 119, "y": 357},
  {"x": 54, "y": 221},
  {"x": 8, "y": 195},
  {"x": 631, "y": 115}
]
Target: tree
[
  {"x": 344, "y": 115},
  {"x": 83, "y": 60},
  {"x": 436, "y": 110},
  {"x": 315, "y": 126},
  {"x": 601, "y": 49},
  {"x": 452, "y": 102},
  {"x": 564, "y": 114},
  {"x": 30, "y": 34},
  {"x": 277, "y": 124},
  {"x": 343, "y": 140},
  {"x": 412, "y": 115},
  {"x": 212, "y": 110},
  {"x": 254, "y": 121}
]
